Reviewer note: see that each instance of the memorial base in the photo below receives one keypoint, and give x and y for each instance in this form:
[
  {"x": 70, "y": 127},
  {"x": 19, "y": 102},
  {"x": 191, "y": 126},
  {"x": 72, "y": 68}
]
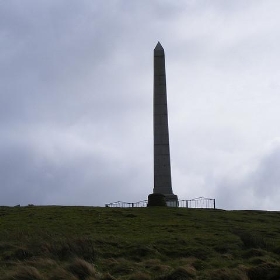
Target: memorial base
[{"x": 171, "y": 200}]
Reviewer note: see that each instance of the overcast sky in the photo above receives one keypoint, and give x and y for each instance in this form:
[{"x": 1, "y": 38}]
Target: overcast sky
[{"x": 76, "y": 91}]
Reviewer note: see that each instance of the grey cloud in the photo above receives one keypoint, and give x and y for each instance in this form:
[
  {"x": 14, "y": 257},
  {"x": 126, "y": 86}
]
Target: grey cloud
[
  {"x": 266, "y": 178},
  {"x": 65, "y": 171},
  {"x": 257, "y": 187},
  {"x": 76, "y": 99}
]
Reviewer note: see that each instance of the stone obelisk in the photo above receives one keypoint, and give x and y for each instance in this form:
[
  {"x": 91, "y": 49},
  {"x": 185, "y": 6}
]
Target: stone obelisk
[{"x": 162, "y": 167}]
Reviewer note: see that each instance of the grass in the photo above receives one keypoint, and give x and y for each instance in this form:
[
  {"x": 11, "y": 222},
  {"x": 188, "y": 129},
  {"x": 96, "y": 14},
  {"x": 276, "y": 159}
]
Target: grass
[{"x": 80, "y": 243}]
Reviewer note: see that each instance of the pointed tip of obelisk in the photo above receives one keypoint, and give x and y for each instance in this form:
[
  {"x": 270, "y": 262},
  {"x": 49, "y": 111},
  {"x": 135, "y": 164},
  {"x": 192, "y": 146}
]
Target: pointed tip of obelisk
[{"x": 159, "y": 47}]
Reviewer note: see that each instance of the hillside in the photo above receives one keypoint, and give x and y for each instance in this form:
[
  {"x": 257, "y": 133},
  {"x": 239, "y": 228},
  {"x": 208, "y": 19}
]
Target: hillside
[{"x": 53, "y": 242}]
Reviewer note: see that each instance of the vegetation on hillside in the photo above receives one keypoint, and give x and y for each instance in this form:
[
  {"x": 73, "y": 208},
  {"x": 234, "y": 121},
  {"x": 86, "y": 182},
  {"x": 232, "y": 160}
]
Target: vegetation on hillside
[{"x": 86, "y": 243}]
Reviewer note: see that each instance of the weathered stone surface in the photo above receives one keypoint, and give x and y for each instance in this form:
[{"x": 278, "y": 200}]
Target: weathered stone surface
[
  {"x": 161, "y": 149},
  {"x": 156, "y": 199}
]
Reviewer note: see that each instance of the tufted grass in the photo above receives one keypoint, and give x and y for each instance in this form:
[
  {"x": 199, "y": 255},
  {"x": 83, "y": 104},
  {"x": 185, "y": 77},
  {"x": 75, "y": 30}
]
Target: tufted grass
[{"x": 138, "y": 243}]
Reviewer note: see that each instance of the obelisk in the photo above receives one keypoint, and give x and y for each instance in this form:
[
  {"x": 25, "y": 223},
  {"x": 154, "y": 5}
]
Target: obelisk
[{"x": 162, "y": 167}]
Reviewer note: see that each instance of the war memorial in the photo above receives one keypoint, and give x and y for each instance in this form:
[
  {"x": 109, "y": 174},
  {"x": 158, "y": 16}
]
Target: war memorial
[
  {"x": 162, "y": 166},
  {"x": 162, "y": 190}
]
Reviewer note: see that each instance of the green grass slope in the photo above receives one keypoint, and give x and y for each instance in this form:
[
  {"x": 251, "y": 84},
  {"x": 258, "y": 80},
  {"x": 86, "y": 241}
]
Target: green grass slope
[{"x": 138, "y": 243}]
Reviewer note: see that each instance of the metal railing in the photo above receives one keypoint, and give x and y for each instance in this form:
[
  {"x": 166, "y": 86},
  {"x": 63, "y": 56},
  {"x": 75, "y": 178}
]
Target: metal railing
[
  {"x": 123, "y": 204},
  {"x": 199, "y": 202}
]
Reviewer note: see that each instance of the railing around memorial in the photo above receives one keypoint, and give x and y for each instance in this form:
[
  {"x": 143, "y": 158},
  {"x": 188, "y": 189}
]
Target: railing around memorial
[
  {"x": 200, "y": 202},
  {"x": 123, "y": 204}
]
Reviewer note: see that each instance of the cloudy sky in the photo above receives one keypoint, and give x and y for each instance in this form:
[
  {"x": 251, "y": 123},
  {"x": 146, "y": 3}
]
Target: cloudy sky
[{"x": 76, "y": 91}]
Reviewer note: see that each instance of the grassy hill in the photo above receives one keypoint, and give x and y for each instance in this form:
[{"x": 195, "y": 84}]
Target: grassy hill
[{"x": 55, "y": 242}]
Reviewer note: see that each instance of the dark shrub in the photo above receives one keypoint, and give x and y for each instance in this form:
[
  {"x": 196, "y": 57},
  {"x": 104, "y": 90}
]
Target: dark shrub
[
  {"x": 181, "y": 273},
  {"x": 22, "y": 254},
  {"x": 107, "y": 276},
  {"x": 81, "y": 269},
  {"x": 71, "y": 248},
  {"x": 26, "y": 273},
  {"x": 140, "y": 276},
  {"x": 227, "y": 274},
  {"x": 267, "y": 271},
  {"x": 254, "y": 253},
  {"x": 252, "y": 239},
  {"x": 61, "y": 274}
]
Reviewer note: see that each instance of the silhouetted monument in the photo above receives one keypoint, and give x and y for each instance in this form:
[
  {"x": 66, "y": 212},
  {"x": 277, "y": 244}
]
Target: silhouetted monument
[{"x": 162, "y": 168}]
